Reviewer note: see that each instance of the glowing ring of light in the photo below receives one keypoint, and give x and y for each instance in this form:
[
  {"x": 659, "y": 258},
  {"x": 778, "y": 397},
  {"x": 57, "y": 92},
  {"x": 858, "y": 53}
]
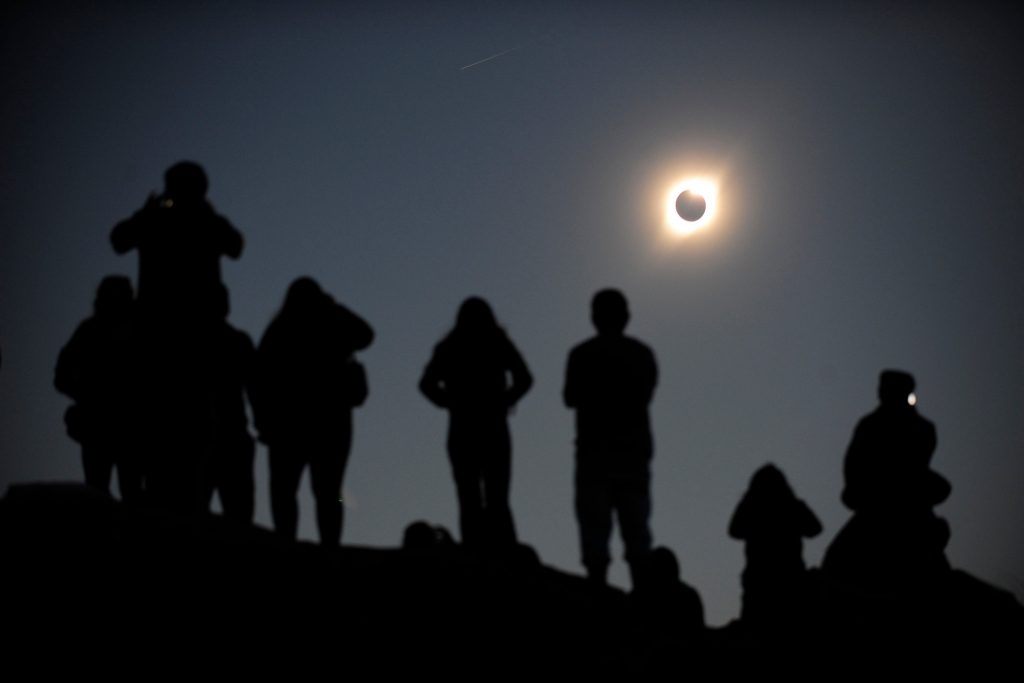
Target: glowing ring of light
[{"x": 706, "y": 189}]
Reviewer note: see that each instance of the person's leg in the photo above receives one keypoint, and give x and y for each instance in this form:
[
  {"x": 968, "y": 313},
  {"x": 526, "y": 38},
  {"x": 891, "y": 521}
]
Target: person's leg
[
  {"x": 497, "y": 476},
  {"x": 594, "y": 515},
  {"x": 236, "y": 485},
  {"x": 633, "y": 507},
  {"x": 286, "y": 465},
  {"x": 465, "y": 457},
  {"x": 327, "y": 470},
  {"x": 98, "y": 466}
]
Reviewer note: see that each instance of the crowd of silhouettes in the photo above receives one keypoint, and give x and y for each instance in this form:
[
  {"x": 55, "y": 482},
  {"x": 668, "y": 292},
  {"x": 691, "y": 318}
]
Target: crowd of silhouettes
[
  {"x": 160, "y": 383},
  {"x": 160, "y": 380}
]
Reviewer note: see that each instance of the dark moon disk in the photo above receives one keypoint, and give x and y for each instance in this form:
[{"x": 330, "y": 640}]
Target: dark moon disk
[{"x": 690, "y": 206}]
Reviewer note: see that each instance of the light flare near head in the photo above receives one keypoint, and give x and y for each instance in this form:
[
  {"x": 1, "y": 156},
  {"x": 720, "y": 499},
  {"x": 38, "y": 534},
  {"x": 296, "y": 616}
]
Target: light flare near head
[{"x": 678, "y": 225}]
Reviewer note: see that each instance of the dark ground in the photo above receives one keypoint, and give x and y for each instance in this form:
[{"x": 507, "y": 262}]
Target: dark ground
[{"x": 93, "y": 586}]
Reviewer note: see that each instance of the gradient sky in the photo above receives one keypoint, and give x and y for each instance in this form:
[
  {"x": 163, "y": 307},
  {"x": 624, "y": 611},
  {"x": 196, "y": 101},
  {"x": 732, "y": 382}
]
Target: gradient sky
[{"x": 870, "y": 163}]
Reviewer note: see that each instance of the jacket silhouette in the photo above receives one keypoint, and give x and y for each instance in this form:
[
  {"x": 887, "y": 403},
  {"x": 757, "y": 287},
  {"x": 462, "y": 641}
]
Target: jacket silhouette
[
  {"x": 98, "y": 369},
  {"x": 180, "y": 239},
  {"x": 772, "y": 522},
  {"x": 306, "y": 383},
  {"x": 888, "y": 460},
  {"x": 477, "y": 375}
]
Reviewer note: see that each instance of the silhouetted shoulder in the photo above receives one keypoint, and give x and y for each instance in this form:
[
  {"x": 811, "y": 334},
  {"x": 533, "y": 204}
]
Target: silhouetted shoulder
[
  {"x": 610, "y": 368},
  {"x": 229, "y": 239},
  {"x": 356, "y": 331}
]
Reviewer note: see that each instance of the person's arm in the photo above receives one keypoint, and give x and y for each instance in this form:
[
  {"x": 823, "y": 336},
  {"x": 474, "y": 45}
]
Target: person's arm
[
  {"x": 127, "y": 234},
  {"x": 246, "y": 363},
  {"x": 263, "y": 387},
  {"x": 810, "y": 525},
  {"x": 230, "y": 241},
  {"x": 650, "y": 380},
  {"x": 571, "y": 391},
  {"x": 432, "y": 383},
  {"x": 853, "y": 468},
  {"x": 356, "y": 331},
  {"x": 739, "y": 525},
  {"x": 67, "y": 376},
  {"x": 522, "y": 380}
]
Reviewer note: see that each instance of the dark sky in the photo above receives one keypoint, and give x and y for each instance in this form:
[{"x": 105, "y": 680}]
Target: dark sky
[{"x": 870, "y": 164}]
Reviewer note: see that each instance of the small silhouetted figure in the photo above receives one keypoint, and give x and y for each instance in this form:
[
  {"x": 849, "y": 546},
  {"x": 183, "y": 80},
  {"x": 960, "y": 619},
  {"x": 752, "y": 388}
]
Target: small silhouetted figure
[
  {"x": 892, "y": 489},
  {"x": 477, "y": 375},
  {"x": 230, "y": 471},
  {"x": 610, "y": 382},
  {"x": 772, "y": 522},
  {"x": 666, "y": 607},
  {"x": 180, "y": 239},
  {"x": 98, "y": 369},
  {"x": 421, "y": 535},
  {"x": 306, "y": 383}
]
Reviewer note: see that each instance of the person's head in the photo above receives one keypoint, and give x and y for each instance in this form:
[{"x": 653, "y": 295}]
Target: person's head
[
  {"x": 304, "y": 295},
  {"x": 895, "y": 387},
  {"x": 770, "y": 483},
  {"x": 664, "y": 566},
  {"x": 421, "y": 535},
  {"x": 114, "y": 295},
  {"x": 186, "y": 182},
  {"x": 609, "y": 311},
  {"x": 475, "y": 316}
]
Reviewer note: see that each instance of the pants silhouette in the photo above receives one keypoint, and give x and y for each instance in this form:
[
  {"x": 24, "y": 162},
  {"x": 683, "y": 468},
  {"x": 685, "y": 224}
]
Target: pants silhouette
[
  {"x": 480, "y": 451},
  {"x": 327, "y": 461}
]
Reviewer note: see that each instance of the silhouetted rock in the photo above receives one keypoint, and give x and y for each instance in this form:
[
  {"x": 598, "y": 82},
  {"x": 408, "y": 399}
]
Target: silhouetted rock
[
  {"x": 664, "y": 603},
  {"x": 94, "y": 583},
  {"x": 155, "y": 587}
]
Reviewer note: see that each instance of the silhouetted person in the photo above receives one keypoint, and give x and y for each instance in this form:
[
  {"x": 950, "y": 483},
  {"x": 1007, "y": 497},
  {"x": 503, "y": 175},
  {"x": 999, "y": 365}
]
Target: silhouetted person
[
  {"x": 230, "y": 472},
  {"x": 665, "y": 606},
  {"x": 891, "y": 489},
  {"x": 772, "y": 522},
  {"x": 610, "y": 381},
  {"x": 98, "y": 369},
  {"x": 421, "y": 535},
  {"x": 477, "y": 375},
  {"x": 180, "y": 240},
  {"x": 306, "y": 383},
  {"x": 887, "y": 461}
]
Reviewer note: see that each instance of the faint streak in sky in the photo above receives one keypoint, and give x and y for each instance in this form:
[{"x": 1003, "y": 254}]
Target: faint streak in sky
[{"x": 487, "y": 59}]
